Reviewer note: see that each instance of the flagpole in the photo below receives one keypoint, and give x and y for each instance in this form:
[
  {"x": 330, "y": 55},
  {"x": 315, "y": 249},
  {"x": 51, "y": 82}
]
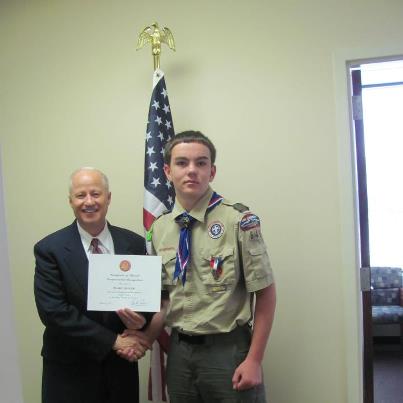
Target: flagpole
[{"x": 159, "y": 194}]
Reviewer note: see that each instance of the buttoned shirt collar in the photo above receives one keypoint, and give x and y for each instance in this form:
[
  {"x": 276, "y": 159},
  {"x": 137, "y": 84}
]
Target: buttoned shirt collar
[
  {"x": 198, "y": 211},
  {"x": 105, "y": 239}
]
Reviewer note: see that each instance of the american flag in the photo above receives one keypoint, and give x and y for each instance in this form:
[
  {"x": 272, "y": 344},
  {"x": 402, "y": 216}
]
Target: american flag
[
  {"x": 159, "y": 197},
  {"x": 158, "y": 191}
]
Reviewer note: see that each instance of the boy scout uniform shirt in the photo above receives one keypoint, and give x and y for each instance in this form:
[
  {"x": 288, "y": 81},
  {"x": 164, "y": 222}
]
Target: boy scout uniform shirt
[{"x": 213, "y": 301}]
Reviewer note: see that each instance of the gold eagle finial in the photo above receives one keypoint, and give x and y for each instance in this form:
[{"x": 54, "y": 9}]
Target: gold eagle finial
[{"x": 154, "y": 35}]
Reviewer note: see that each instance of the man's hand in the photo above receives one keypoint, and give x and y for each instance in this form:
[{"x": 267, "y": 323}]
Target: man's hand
[
  {"x": 143, "y": 338},
  {"x": 131, "y": 345},
  {"x": 131, "y": 319},
  {"x": 247, "y": 375}
]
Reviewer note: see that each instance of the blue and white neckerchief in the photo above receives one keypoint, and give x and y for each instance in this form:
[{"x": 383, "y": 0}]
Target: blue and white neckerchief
[{"x": 186, "y": 222}]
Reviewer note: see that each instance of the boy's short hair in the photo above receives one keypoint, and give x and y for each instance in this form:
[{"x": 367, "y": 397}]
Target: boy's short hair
[{"x": 189, "y": 136}]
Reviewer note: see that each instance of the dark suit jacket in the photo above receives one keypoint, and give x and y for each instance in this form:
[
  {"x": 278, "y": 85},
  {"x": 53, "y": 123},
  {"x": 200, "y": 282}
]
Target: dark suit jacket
[{"x": 72, "y": 333}]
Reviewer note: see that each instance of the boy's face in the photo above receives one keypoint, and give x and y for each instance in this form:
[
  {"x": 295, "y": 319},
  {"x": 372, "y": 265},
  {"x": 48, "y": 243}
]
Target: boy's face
[{"x": 190, "y": 171}]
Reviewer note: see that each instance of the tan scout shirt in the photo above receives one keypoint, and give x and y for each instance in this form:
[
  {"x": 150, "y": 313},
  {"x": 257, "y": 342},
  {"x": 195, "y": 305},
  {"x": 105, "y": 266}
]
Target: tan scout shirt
[{"x": 205, "y": 304}]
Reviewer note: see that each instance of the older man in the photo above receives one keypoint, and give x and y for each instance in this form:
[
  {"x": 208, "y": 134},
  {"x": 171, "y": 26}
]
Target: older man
[{"x": 80, "y": 360}]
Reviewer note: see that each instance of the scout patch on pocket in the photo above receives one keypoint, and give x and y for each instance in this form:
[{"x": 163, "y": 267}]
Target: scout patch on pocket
[{"x": 216, "y": 229}]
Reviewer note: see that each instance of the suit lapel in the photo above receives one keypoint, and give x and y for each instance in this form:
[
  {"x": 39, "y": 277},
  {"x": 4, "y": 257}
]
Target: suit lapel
[
  {"x": 121, "y": 243},
  {"x": 75, "y": 257}
]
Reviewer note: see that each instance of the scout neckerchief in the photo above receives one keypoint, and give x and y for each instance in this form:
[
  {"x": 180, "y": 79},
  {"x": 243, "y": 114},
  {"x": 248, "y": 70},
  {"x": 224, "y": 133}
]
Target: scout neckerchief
[{"x": 186, "y": 222}]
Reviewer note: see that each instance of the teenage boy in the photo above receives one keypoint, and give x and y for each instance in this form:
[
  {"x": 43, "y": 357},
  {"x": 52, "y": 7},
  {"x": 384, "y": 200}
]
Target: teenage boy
[{"x": 217, "y": 274}]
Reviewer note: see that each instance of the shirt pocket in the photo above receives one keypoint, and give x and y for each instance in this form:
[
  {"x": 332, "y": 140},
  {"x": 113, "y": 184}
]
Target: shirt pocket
[
  {"x": 168, "y": 267},
  {"x": 224, "y": 276},
  {"x": 257, "y": 262}
]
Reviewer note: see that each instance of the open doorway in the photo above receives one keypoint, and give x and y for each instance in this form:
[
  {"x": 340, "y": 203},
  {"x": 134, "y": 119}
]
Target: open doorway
[{"x": 377, "y": 90}]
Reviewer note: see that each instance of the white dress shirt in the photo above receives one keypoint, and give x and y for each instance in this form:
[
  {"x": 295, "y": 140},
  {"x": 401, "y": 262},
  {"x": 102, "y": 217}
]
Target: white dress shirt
[{"x": 104, "y": 237}]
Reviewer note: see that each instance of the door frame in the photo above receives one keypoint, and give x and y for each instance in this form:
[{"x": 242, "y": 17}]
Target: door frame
[
  {"x": 349, "y": 219},
  {"x": 364, "y": 255}
]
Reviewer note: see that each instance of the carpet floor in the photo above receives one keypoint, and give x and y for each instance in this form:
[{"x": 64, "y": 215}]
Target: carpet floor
[{"x": 388, "y": 374}]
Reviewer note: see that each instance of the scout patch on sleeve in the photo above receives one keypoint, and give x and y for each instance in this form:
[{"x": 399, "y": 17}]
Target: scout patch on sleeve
[
  {"x": 255, "y": 235},
  {"x": 249, "y": 221}
]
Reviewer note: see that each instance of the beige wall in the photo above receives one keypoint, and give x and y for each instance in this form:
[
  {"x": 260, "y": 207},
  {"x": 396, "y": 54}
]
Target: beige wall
[{"x": 266, "y": 81}]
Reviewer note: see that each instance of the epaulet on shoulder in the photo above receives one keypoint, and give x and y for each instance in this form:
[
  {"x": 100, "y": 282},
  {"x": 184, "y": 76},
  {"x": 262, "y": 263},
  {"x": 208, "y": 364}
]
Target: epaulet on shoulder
[
  {"x": 240, "y": 207},
  {"x": 149, "y": 233}
]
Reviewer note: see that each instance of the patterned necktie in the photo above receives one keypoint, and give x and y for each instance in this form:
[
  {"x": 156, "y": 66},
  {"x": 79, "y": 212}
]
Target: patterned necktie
[
  {"x": 94, "y": 247},
  {"x": 96, "y": 250},
  {"x": 186, "y": 221}
]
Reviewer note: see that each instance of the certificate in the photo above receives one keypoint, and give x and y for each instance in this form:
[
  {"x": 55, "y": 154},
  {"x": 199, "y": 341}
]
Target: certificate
[{"x": 124, "y": 281}]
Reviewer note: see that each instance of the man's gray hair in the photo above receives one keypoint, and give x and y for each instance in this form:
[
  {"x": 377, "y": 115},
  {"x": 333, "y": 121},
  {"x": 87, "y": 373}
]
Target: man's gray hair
[{"x": 103, "y": 176}]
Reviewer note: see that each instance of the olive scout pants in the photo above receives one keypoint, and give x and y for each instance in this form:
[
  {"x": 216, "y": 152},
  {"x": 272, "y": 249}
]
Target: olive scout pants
[{"x": 200, "y": 368}]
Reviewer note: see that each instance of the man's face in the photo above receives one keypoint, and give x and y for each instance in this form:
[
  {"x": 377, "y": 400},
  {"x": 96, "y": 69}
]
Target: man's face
[
  {"x": 89, "y": 200},
  {"x": 190, "y": 171}
]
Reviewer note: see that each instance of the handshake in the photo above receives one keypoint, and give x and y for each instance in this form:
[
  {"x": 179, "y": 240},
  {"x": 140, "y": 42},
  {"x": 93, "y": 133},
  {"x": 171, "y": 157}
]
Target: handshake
[{"x": 133, "y": 343}]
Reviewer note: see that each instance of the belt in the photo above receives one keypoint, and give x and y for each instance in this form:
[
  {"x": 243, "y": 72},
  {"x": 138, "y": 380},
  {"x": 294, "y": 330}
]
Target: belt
[
  {"x": 239, "y": 333},
  {"x": 196, "y": 339}
]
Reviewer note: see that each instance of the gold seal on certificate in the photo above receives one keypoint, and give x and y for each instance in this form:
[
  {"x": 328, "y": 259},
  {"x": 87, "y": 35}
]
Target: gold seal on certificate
[
  {"x": 124, "y": 281},
  {"x": 125, "y": 265}
]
